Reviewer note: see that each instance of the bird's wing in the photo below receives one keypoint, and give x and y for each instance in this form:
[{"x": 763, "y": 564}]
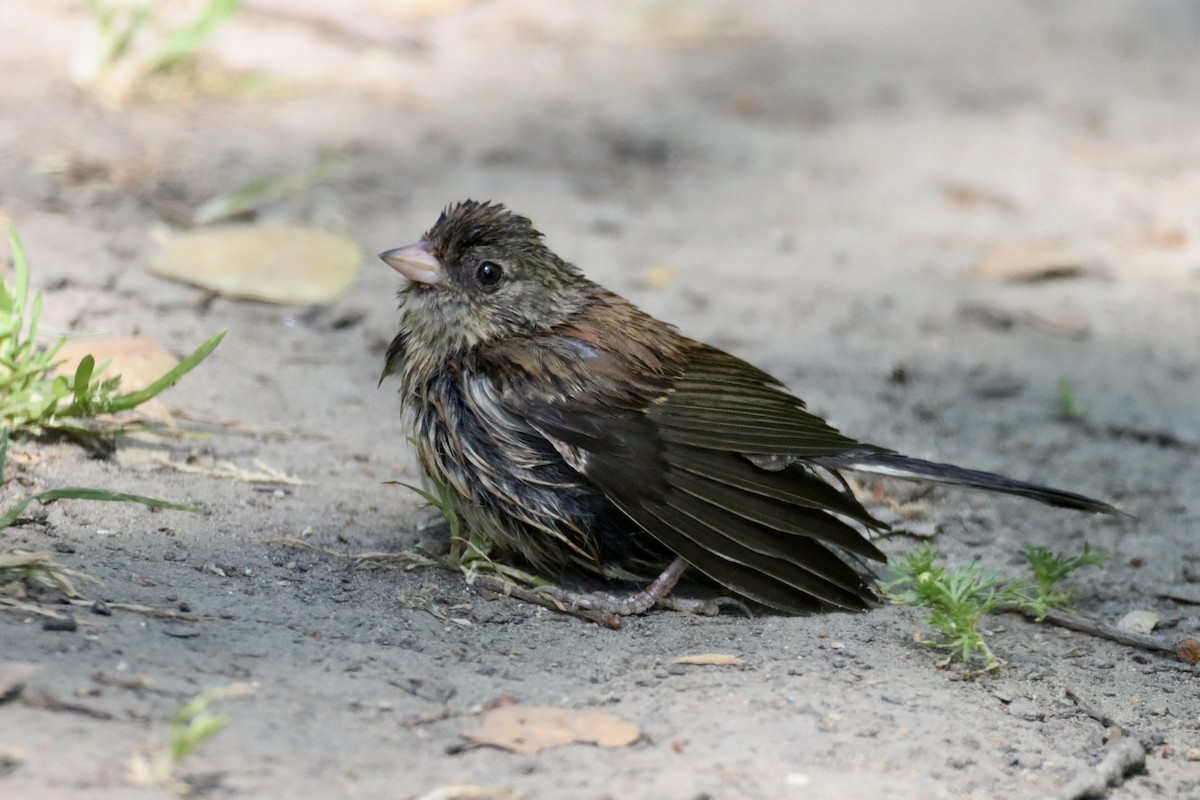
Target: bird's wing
[{"x": 668, "y": 447}]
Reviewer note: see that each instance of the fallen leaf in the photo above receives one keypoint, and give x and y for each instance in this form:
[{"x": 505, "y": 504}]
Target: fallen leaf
[
  {"x": 1168, "y": 238},
  {"x": 274, "y": 264},
  {"x": 1027, "y": 262},
  {"x": 1138, "y": 622},
  {"x": 964, "y": 195},
  {"x": 531, "y": 729},
  {"x": 658, "y": 276},
  {"x": 711, "y": 660},
  {"x": 139, "y": 361}
]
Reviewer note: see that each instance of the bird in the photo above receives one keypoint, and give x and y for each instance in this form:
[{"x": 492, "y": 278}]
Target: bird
[{"x": 575, "y": 432}]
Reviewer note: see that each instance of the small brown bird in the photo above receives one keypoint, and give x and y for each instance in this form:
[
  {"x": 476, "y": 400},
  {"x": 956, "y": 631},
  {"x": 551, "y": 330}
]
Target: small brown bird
[{"x": 572, "y": 429}]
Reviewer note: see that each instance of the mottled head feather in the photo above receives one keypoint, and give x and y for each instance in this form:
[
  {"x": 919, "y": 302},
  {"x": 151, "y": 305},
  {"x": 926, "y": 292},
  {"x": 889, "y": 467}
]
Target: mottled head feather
[{"x": 470, "y": 223}]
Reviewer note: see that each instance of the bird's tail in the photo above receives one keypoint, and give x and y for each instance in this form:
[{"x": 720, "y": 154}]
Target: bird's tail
[{"x": 894, "y": 465}]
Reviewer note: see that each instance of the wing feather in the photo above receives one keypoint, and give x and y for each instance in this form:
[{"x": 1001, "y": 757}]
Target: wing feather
[{"x": 670, "y": 449}]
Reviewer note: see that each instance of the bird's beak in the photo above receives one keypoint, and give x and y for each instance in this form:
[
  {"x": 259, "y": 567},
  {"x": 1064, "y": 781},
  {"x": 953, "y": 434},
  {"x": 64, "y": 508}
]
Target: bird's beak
[{"x": 415, "y": 262}]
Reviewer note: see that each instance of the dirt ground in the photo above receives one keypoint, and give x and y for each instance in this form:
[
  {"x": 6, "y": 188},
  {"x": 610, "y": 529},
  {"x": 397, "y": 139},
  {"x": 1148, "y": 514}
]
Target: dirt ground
[{"x": 809, "y": 185}]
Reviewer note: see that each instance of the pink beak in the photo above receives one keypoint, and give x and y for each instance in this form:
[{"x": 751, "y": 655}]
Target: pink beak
[{"x": 415, "y": 262}]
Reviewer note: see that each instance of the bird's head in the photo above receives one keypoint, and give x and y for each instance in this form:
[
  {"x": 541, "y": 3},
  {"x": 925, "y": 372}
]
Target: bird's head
[{"x": 482, "y": 273}]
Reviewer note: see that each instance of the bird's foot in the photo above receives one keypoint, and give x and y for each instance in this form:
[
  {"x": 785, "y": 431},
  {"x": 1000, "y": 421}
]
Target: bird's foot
[
  {"x": 607, "y": 608},
  {"x": 622, "y": 605},
  {"x": 704, "y": 608}
]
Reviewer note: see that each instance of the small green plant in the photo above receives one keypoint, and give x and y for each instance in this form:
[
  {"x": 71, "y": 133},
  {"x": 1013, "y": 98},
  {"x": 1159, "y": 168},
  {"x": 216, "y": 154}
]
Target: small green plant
[
  {"x": 32, "y": 398},
  {"x": 1068, "y": 406},
  {"x": 121, "y": 24},
  {"x": 192, "y": 725},
  {"x": 957, "y": 598},
  {"x": 1049, "y": 569}
]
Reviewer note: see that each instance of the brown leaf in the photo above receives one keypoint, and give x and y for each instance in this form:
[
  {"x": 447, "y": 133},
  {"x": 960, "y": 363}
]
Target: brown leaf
[
  {"x": 274, "y": 264},
  {"x": 531, "y": 729},
  {"x": 1027, "y": 262},
  {"x": 138, "y": 360},
  {"x": 658, "y": 276},
  {"x": 711, "y": 660},
  {"x": 1168, "y": 238}
]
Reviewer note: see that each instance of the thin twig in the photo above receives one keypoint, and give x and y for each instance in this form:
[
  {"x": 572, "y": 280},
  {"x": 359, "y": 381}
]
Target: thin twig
[
  {"x": 1093, "y": 712},
  {"x": 37, "y": 698},
  {"x": 149, "y": 611},
  {"x": 1123, "y": 755},
  {"x": 1186, "y": 649},
  {"x": 445, "y": 712}
]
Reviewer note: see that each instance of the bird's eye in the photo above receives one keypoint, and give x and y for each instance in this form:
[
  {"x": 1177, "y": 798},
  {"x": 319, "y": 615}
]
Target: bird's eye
[{"x": 489, "y": 274}]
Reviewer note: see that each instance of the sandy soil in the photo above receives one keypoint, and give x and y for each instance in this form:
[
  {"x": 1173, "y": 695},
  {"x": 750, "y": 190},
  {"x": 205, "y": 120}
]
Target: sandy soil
[{"x": 817, "y": 182}]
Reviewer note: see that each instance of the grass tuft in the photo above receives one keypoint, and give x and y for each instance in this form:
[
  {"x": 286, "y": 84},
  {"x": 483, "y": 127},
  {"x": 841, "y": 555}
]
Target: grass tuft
[{"x": 32, "y": 398}]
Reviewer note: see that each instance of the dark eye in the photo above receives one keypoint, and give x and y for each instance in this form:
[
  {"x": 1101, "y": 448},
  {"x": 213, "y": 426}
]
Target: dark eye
[{"x": 489, "y": 274}]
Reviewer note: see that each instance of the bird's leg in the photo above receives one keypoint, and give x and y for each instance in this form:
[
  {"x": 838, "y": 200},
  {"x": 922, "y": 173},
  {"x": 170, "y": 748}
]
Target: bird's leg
[
  {"x": 607, "y": 608},
  {"x": 623, "y": 605}
]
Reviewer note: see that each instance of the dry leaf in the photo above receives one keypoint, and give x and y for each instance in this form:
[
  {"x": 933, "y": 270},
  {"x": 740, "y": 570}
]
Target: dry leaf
[
  {"x": 138, "y": 360},
  {"x": 1027, "y": 262},
  {"x": 658, "y": 276},
  {"x": 274, "y": 264},
  {"x": 711, "y": 660},
  {"x": 965, "y": 195},
  {"x": 1168, "y": 238},
  {"x": 1138, "y": 622},
  {"x": 531, "y": 729}
]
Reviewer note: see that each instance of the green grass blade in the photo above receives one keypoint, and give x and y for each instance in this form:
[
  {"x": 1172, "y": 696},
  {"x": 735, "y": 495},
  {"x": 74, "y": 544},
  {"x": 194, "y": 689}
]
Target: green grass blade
[
  {"x": 80, "y": 493},
  {"x": 183, "y": 42},
  {"x": 11, "y": 515},
  {"x": 21, "y": 273},
  {"x": 83, "y": 378},
  {"x": 125, "y": 402}
]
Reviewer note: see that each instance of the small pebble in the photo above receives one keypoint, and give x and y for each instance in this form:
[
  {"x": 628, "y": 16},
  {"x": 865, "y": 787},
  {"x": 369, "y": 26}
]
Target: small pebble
[
  {"x": 100, "y": 607},
  {"x": 67, "y": 624}
]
